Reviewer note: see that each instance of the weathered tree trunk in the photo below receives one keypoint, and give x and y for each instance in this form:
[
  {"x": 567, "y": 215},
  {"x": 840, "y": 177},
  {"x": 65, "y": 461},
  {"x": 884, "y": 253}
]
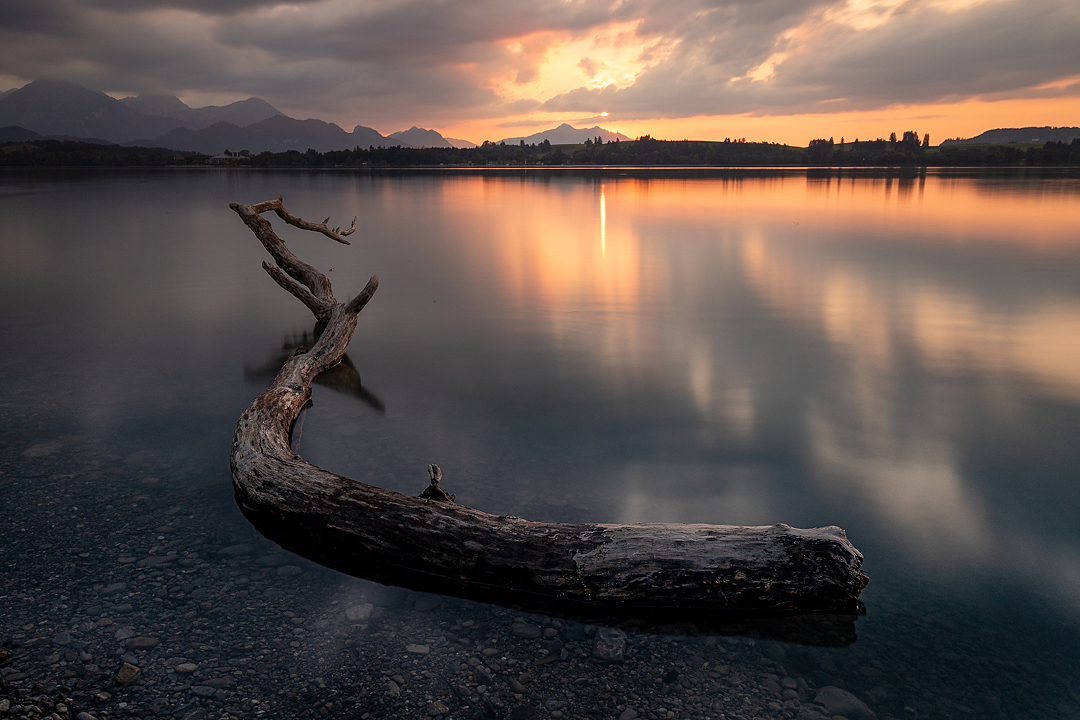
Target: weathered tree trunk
[{"x": 432, "y": 542}]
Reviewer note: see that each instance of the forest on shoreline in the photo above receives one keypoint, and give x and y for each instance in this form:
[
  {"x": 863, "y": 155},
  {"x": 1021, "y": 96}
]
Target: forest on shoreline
[{"x": 643, "y": 152}]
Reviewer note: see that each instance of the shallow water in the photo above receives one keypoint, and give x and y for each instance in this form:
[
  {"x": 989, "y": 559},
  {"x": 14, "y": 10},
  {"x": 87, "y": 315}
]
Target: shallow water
[{"x": 897, "y": 356}]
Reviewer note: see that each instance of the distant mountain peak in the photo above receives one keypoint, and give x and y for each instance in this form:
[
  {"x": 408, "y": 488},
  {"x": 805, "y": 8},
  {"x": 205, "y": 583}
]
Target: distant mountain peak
[
  {"x": 62, "y": 107},
  {"x": 421, "y": 137},
  {"x": 567, "y": 134},
  {"x": 279, "y": 133},
  {"x": 52, "y": 107},
  {"x": 156, "y": 104},
  {"x": 241, "y": 112}
]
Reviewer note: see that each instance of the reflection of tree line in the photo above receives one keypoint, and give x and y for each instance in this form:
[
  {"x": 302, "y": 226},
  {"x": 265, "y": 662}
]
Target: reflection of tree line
[{"x": 644, "y": 151}]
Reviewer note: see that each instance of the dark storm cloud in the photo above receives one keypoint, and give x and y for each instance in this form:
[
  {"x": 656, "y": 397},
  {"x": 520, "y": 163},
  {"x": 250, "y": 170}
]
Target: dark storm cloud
[
  {"x": 414, "y": 31},
  {"x": 211, "y": 7},
  {"x": 372, "y": 60},
  {"x": 32, "y": 16},
  {"x": 401, "y": 61}
]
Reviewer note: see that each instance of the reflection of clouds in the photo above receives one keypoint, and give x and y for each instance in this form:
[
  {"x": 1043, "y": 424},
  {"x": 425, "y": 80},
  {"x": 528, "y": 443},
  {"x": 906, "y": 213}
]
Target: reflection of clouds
[
  {"x": 717, "y": 390},
  {"x": 856, "y": 316},
  {"x": 871, "y": 440},
  {"x": 611, "y": 302},
  {"x": 873, "y": 319},
  {"x": 738, "y": 494},
  {"x": 1054, "y": 565},
  {"x": 953, "y": 332},
  {"x": 23, "y": 252},
  {"x": 917, "y": 490},
  {"x": 874, "y": 330}
]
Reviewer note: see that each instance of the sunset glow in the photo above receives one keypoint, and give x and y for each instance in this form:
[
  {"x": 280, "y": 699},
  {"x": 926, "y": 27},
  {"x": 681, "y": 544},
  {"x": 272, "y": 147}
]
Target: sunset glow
[
  {"x": 850, "y": 68},
  {"x": 564, "y": 268}
]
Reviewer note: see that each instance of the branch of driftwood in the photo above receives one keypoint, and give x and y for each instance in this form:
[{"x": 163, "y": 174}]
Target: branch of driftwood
[{"x": 431, "y": 542}]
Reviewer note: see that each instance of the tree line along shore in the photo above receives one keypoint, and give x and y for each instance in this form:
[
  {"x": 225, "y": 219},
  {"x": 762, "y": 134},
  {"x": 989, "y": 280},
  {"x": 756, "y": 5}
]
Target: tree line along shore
[{"x": 645, "y": 152}]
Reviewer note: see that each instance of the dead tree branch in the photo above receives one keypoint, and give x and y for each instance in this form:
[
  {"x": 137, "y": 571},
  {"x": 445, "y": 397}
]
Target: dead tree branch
[
  {"x": 434, "y": 543},
  {"x": 277, "y": 207}
]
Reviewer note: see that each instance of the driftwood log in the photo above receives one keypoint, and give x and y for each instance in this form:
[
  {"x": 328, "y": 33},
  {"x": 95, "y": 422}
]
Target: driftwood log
[{"x": 431, "y": 542}]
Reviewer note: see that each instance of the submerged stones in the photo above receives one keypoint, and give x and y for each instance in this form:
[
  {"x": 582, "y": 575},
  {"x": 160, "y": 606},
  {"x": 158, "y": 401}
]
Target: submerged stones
[
  {"x": 841, "y": 702},
  {"x": 214, "y": 634},
  {"x": 125, "y": 674},
  {"x": 360, "y": 612},
  {"x": 525, "y": 630},
  {"x": 610, "y": 645},
  {"x": 142, "y": 642}
]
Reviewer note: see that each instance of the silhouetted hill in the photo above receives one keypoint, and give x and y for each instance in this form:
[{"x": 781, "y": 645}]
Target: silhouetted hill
[
  {"x": 162, "y": 105},
  {"x": 240, "y": 113},
  {"x": 420, "y": 138},
  {"x": 276, "y": 134},
  {"x": 62, "y": 110},
  {"x": 567, "y": 134},
  {"x": 14, "y": 133},
  {"x": 1021, "y": 135},
  {"x": 367, "y": 137},
  {"x": 58, "y": 107}
]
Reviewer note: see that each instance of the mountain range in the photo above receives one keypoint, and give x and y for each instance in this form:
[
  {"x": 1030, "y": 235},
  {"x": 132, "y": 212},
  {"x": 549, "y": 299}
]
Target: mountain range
[
  {"x": 1020, "y": 135},
  {"x": 568, "y": 135},
  {"x": 59, "y": 109},
  {"x": 419, "y": 137},
  {"x": 65, "y": 110},
  {"x": 242, "y": 113}
]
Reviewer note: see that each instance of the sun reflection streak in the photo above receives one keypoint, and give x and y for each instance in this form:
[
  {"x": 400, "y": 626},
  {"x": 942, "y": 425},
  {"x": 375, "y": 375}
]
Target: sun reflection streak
[
  {"x": 888, "y": 278},
  {"x": 603, "y": 224}
]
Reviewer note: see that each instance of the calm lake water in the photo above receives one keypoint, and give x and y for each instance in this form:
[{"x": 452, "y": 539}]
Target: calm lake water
[{"x": 899, "y": 356}]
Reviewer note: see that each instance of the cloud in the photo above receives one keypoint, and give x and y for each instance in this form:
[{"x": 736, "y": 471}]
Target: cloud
[
  {"x": 589, "y": 66},
  {"x": 399, "y": 62},
  {"x": 925, "y": 54},
  {"x": 531, "y": 122},
  {"x": 211, "y": 7}
]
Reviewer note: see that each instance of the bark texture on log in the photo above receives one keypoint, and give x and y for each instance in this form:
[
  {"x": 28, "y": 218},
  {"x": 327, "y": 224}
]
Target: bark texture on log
[{"x": 432, "y": 542}]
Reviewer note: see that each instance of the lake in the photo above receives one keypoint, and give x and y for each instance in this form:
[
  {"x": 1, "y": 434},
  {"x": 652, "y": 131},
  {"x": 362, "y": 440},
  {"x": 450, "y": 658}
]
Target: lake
[{"x": 898, "y": 355}]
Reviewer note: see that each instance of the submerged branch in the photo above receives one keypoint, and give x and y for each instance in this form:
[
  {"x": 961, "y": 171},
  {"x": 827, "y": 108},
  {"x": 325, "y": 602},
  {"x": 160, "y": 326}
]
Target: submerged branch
[{"x": 433, "y": 543}]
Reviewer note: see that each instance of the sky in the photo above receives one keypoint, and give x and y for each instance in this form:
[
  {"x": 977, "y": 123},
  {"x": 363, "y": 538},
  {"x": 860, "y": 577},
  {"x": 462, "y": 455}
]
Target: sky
[{"x": 776, "y": 70}]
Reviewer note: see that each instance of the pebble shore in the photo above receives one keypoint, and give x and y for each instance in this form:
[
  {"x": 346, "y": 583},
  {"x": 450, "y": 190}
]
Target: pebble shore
[{"x": 126, "y": 596}]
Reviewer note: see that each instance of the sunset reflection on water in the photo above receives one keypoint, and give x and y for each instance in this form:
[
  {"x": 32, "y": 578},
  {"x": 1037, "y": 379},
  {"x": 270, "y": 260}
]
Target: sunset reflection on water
[
  {"x": 858, "y": 318},
  {"x": 896, "y": 356},
  {"x": 788, "y": 240}
]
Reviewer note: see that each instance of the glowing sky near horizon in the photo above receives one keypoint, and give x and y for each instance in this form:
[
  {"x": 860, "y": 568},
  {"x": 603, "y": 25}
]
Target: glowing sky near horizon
[{"x": 778, "y": 70}]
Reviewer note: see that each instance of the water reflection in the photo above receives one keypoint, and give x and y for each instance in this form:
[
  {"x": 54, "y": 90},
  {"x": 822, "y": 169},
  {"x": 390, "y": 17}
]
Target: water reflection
[
  {"x": 800, "y": 348},
  {"x": 893, "y": 355},
  {"x": 343, "y": 377},
  {"x": 815, "y": 629},
  {"x": 603, "y": 223},
  {"x": 890, "y": 305}
]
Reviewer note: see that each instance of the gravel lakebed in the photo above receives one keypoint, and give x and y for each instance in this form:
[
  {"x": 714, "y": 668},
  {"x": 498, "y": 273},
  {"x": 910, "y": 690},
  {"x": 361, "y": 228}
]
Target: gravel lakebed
[{"x": 131, "y": 591}]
